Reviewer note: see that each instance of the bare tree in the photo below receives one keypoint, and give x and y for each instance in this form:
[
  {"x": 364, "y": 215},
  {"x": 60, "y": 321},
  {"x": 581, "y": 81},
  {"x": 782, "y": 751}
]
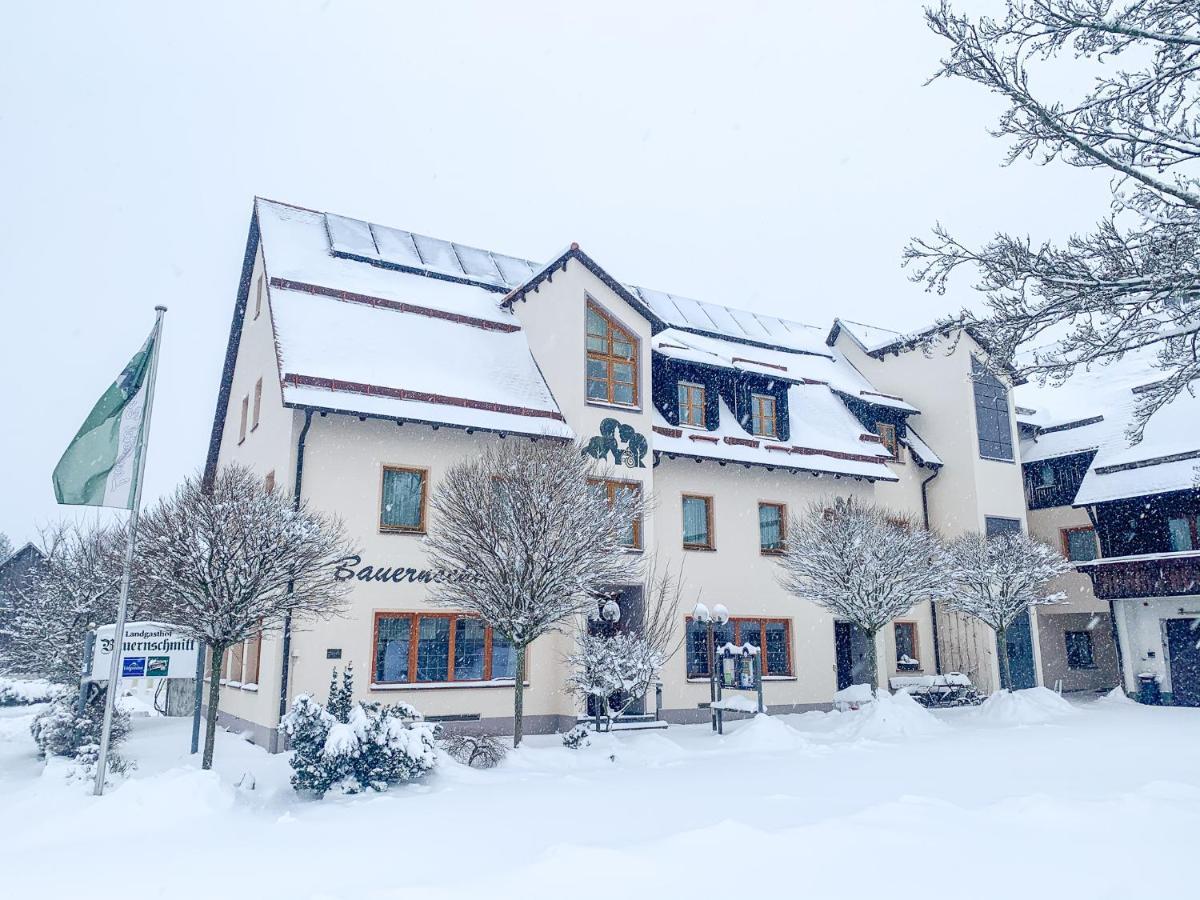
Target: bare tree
[
  {"x": 531, "y": 539},
  {"x": 6, "y": 547},
  {"x": 1135, "y": 281},
  {"x": 71, "y": 591},
  {"x": 862, "y": 563},
  {"x": 613, "y": 667},
  {"x": 997, "y": 579},
  {"x": 232, "y": 560}
]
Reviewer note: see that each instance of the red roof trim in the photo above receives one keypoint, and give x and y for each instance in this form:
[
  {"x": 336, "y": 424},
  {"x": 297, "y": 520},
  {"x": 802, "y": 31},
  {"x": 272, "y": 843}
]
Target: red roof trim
[
  {"x": 668, "y": 432},
  {"x": 374, "y": 390},
  {"x": 367, "y": 300}
]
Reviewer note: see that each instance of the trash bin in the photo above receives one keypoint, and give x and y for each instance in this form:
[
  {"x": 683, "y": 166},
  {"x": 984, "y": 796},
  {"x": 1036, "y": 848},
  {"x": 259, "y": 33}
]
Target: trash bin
[{"x": 1149, "y": 692}]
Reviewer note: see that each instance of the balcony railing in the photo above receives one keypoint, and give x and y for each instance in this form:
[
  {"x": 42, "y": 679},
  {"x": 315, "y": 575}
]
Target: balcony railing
[{"x": 1145, "y": 575}]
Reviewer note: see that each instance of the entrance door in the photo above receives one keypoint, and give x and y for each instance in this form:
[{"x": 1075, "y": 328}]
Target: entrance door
[
  {"x": 630, "y": 600},
  {"x": 1182, "y": 637},
  {"x": 850, "y": 645},
  {"x": 1020, "y": 654}
]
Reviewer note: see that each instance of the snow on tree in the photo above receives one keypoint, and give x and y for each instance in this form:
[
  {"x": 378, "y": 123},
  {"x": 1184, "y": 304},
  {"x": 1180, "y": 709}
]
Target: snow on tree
[
  {"x": 531, "y": 539},
  {"x": 862, "y": 563},
  {"x": 6, "y": 547},
  {"x": 74, "y": 589},
  {"x": 353, "y": 746},
  {"x": 1135, "y": 281},
  {"x": 997, "y": 579},
  {"x": 613, "y": 667},
  {"x": 229, "y": 561}
]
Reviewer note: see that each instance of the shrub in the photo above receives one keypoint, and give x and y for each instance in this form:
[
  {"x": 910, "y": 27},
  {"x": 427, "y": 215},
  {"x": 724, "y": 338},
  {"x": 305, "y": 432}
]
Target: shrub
[
  {"x": 61, "y": 731},
  {"x": 577, "y": 738},
  {"x": 24, "y": 691},
  {"x": 352, "y": 747},
  {"x": 479, "y": 751}
]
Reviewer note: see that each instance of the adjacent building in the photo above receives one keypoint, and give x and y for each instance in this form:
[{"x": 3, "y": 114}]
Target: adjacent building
[{"x": 363, "y": 361}]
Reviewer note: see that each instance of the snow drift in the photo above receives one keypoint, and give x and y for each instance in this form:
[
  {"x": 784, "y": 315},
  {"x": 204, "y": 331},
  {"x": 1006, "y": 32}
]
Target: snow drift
[
  {"x": 1032, "y": 706},
  {"x": 889, "y": 717}
]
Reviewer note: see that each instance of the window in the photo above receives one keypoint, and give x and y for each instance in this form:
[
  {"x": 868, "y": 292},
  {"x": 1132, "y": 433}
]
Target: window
[
  {"x": 420, "y": 648},
  {"x": 240, "y": 665},
  {"x": 1183, "y": 533},
  {"x": 994, "y": 525},
  {"x": 762, "y": 415},
  {"x": 773, "y": 634},
  {"x": 612, "y": 489},
  {"x": 691, "y": 405},
  {"x": 257, "y": 402},
  {"x": 907, "y": 657},
  {"x": 269, "y": 482},
  {"x": 772, "y": 522},
  {"x": 887, "y": 434},
  {"x": 258, "y": 297},
  {"x": 1079, "y": 544},
  {"x": 697, "y": 523},
  {"x": 611, "y": 360},
  {"x": 402, "y": 506},
  {"x": 1079, "y": 650},
  {"x": 245, "y": 416},
  {"x": 991, "y": 414}
]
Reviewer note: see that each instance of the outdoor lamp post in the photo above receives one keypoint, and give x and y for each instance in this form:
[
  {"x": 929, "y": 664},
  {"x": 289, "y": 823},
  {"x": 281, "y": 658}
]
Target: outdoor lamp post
[{"x": 718, "y": 616}]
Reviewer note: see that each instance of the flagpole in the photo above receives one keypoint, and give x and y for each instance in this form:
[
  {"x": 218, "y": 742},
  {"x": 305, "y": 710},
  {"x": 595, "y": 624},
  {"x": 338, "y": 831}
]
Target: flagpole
[{"x": 114, "y": 670}]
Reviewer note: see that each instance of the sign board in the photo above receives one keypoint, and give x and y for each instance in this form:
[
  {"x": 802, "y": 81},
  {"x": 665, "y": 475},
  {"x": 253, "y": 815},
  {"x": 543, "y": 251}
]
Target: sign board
[{"x": 151, "y": 649}]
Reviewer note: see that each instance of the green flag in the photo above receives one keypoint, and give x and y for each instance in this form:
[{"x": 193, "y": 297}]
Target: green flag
[{"x": 100, "y": 466}]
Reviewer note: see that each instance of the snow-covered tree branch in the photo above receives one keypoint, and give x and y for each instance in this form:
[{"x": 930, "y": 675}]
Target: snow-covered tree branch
[
  {"x": 997, "y": 579},
  {"x": 533, "y": 538},
  {"x": 1135, "y": 281},
  {"x": 862, "y": 563},
  {"x": 616, "y": 663},
  {"x": 227, "y": 562}
]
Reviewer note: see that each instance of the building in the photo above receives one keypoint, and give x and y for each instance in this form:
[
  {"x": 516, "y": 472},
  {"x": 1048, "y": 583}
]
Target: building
[
  {"x": 1126, "y": 512},
  {"x": 364, "y": 360}
]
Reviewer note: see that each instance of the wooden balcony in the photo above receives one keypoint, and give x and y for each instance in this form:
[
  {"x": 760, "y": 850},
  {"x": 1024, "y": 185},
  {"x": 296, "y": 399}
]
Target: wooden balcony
[{"x": 1147, "y": 575}]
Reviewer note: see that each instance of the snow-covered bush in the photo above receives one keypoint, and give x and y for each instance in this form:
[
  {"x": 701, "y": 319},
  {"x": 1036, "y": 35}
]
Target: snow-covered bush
[
  {"x": 24, "y": 691},
  {"x": 480, "y": 751},
  {"x": 577, "y": 738},
  {"x": 61, "y": 731},
  {"x": 351, "y": 746}
]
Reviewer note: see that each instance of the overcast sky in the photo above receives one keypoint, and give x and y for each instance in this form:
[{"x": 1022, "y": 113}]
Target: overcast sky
[{"x": 772, "y": 157}]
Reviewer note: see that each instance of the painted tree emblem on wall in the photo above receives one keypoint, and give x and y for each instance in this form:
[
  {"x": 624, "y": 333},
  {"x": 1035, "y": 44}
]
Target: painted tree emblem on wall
[{"x": 620, "y": 443}]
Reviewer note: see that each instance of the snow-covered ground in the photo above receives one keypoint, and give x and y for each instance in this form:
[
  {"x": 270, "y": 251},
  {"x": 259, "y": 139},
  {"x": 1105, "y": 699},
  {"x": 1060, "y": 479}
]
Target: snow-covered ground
[{"x": 1024, "y": 797}]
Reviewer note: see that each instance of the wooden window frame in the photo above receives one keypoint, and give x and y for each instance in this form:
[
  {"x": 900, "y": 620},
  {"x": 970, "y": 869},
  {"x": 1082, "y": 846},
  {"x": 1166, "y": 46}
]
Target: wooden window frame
[
  {"x": 245, "y": 418},
  {"x": 764, "y": 551},
  {"x": 1193, "y": 520},
  {"x": 763, "y": 622},
  {"x": 689, "y": 405},
  {"x": 414, "y": 630},
  {"x": 757, "y": 412},
  {"x": 257, "y": 405},
  {"x": 258, "y": 298},
  {"x": 609, "y": 359},
  {"x": 1065, "y": 537},
  {"x": 403, "y": 529},
  {"x": 611, "y": 486},
  {"x": 892, "y": 443},
  {"x": 708, "y": 511},
  {"x": 916, "y": 644}
]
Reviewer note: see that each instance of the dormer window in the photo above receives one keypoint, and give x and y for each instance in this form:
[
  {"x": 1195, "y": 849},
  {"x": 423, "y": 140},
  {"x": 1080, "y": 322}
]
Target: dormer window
[
  {"x": 611, "y": 360},
  {"x": 691, "y": 405},
  {"x": 762, "y": 415},
  {"x": 887, "y": 436}
]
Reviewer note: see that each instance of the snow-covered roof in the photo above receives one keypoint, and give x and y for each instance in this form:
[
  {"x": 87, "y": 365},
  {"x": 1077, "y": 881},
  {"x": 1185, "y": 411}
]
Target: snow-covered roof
[
  {"x": 1093, "y": 410},
  {"x": 832, "y": 368},
  {"x": 372, "y": 341},
  {"x": 921, "y": 450},
  {"x": 871, "y": 338},
  {"x": 825, "y": 438}
]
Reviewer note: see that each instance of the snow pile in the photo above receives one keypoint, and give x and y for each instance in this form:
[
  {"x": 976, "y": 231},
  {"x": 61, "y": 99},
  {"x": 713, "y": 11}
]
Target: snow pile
[
  {"x": 23, "y": 691},
  {"x": 891, "y": 716},
  {"x": 764, "y": 732},
  {"x": 1028, "y": 707},
  {"x": 1116, "y": 697},
  {"x": 737, "y": 703},
  {"x": 852, "y": 697}
]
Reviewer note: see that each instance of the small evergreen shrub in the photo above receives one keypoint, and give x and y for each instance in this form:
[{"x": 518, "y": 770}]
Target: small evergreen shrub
[
  {"x": 61, "y": 731},
  {"x": 25, "y": 691},
  {"x": 577, "y": 738},
  {"x": 351, "y": 747},
  {"x": 479, "y": 751}
]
